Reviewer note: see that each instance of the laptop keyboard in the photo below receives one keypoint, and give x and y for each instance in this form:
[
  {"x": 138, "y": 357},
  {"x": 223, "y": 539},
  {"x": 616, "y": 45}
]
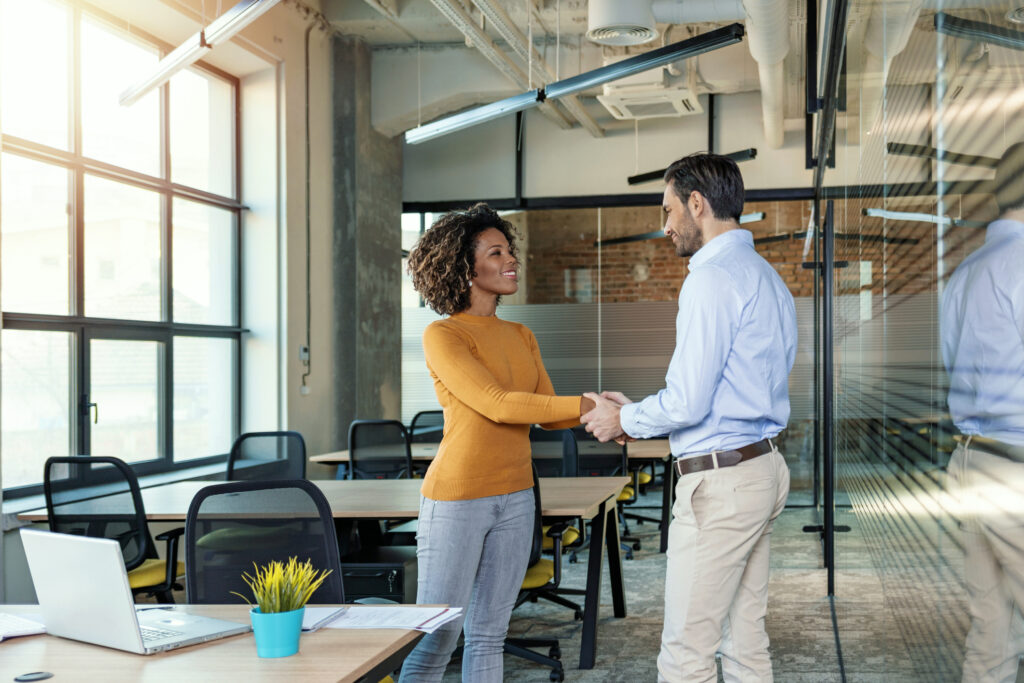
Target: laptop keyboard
[{"x": 150, "y": 634}]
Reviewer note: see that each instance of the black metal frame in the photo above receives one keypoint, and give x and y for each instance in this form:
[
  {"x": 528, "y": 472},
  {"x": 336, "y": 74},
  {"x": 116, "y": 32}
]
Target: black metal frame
[{"x": 165, "y": 330}]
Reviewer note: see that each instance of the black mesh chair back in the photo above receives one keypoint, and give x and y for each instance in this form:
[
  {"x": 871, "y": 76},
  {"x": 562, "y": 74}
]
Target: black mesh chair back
[
  {"x": 554, "y": 451},
  {"x": 378, "y": 449},
  {"x": 427, "y": 427},
  {"x": 99, "y": 497},
  {"x": 267, "y": 456},
  {"x": 231, "y": 526},
  {"x": 596, "y": 459}
]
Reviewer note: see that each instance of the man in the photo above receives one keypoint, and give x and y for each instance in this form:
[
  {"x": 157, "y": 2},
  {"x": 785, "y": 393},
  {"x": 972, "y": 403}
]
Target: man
[
  {"x": 726, "y": 397},
  {"x": 982, "y": 329}
]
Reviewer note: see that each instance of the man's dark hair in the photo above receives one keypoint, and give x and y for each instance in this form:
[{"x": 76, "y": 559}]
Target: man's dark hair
[
  {"x": 442, "y": 262},
  {"x": 1010, "y": 179},
  {"x": 714, "y": 176}
]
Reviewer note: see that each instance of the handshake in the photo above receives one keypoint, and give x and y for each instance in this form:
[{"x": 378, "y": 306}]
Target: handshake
[{"x": 602, "y": 420}]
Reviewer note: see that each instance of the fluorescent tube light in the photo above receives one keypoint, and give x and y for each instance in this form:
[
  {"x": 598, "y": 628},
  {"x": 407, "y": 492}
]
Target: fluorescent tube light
[
  {"x": 705, "y": 42},
  {"x": 494, "y": 110},
  {"x": 195, "y": 48},
  {"x": 745, "y": 218},
  {"x": 926, "y": 152},
  {"x": 978, "y": 31},
  {"x": 640, "y": 178},
  {"x": 923, "y": 218}
]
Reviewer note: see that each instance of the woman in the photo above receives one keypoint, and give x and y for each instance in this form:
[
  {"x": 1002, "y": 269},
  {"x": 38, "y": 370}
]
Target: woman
[{"x": 477, "y": 510}]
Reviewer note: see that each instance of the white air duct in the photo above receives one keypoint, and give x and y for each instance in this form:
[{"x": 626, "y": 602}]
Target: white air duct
[
  {"x": 767, "y": 26},
  {"x": 888, "y": 31}
]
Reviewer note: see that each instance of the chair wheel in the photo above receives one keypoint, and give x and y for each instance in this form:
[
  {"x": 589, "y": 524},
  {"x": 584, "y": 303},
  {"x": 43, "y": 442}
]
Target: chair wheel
[
  {"x": 557, "y": 676},
  {"x": 578, "y": 615},
  {"x": 636, "y": 546},
  {"x": 572, "y": 560},
  {"x": 555, "y": 652}
]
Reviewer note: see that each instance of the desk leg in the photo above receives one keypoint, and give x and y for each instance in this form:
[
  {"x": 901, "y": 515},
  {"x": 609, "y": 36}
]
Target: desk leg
[
  {"x": 588, "y": 647},
  {"x": 668, "y": 492},
  {"x": 613, "y": 546}
]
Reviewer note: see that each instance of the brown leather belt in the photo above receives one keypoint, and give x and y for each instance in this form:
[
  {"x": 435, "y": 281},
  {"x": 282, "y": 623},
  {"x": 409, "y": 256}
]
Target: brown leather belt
[
  {"x": 993, "y": 447},
  {"x": 700, "y": 463}
]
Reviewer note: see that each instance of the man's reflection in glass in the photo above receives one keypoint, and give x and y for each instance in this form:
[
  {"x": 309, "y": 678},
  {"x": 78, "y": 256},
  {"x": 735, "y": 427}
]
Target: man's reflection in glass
[{"x": 982, "y": 328}]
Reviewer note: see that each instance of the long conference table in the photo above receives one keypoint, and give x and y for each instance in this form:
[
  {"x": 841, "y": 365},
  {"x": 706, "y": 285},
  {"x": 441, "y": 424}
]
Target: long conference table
[
  {"x": 589, "y": 498},
  {"x": 646, "y": 450},
  {"x": 329, "y": 654}
]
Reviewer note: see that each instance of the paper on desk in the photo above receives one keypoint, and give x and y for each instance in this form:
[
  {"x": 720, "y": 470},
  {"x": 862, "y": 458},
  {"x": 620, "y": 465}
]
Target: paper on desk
[
  {"x": 315, "y": 617},
  {"x": 426, "y": 619}
]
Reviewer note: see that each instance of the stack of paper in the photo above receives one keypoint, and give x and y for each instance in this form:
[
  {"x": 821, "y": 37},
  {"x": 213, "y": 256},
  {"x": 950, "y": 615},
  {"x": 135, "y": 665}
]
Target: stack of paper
[
  {"x": 12, "y": 625},
  {"x": 426, "y": 619}
]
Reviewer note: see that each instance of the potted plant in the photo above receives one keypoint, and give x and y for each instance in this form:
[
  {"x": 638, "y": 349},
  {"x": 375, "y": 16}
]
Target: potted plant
[{"x": 281, "y": 591}]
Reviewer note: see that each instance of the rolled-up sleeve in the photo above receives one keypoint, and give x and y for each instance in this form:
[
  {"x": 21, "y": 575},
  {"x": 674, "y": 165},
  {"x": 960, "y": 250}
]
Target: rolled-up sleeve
[{"x": 710, "y": 311}]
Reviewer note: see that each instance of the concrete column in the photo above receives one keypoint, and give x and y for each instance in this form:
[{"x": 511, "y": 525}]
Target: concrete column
[{"x": 366, "y": 246}]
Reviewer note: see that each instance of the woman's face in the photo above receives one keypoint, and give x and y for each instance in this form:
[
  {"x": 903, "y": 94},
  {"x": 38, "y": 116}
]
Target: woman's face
[{"x": 496, "y": 268}]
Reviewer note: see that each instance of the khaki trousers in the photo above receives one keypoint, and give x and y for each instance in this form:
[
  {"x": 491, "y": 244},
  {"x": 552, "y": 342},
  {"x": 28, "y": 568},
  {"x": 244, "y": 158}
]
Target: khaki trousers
[
  {"x": 990, "y": 497},
  {"x": 716, "y": 582}
]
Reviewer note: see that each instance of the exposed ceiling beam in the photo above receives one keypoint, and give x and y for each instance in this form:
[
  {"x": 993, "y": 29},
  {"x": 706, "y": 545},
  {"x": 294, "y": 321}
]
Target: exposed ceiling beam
[
  {"x": 455, "y": 13},
  {"x": 541, "y": 71}
]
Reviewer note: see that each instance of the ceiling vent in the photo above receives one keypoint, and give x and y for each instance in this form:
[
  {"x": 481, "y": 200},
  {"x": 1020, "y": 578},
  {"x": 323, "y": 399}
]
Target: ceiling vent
[
  {"x": 615, "y": 22},
  {"x": 648, "y": 95}
]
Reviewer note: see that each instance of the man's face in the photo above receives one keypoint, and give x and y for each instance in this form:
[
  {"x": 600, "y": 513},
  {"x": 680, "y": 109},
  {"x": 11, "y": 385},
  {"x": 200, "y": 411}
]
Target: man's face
[{"x": 680, "y": 226}]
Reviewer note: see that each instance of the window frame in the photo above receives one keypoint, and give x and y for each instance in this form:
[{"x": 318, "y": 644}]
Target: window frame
[{"x": 166, "y": 329}]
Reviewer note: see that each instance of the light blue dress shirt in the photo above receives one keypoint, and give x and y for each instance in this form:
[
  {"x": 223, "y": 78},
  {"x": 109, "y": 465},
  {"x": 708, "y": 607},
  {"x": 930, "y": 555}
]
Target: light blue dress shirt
[
  {"x": 982, "y": 328},
  {"x": 728, "y": 382}
]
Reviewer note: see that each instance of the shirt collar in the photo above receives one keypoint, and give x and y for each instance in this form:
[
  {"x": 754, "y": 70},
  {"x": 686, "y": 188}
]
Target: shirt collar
[
  {"x": 720, "y": 243},
  {"x": 1002, "y": 229}
]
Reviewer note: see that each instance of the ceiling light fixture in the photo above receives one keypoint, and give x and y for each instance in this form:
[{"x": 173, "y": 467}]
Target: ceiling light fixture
[
  {"x": 1016, "y": 15},
  {"x": 706, "y": 42},
  {"x": 926, "y": 152},
  {"x": 222, "y": 29},
  {"x": 745, "y": 218},
  {"x": 978, "y": 31},
  {"x": 640, "y": 178}
]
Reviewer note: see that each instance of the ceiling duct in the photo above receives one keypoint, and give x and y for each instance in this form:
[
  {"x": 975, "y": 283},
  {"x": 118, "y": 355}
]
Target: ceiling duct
[
  {"x": 613, "y": 22},
  {"x": 767, "y": 26}
]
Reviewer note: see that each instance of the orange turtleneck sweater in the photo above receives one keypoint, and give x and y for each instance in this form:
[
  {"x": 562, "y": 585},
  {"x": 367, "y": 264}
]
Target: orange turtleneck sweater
[{"x": 491, "y": 382}]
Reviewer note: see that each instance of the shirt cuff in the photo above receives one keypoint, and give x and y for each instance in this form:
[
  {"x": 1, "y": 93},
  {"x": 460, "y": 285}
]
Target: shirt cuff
[{"x": 628, "y": 419}]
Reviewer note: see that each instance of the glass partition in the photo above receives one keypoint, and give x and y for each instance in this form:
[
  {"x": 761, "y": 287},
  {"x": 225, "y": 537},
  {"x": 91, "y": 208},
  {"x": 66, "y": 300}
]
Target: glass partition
[{"x": 927, "y": 116}]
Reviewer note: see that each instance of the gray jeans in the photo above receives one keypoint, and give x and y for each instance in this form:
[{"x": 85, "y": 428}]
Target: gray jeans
[{"x": 471, "y": 554}]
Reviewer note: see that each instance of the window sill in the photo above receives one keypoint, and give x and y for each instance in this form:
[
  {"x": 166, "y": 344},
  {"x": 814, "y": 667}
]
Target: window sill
[{"x": 12, "y": 508}]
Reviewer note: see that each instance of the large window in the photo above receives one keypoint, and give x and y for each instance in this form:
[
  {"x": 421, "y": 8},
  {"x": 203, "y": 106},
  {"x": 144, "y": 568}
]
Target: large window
[{"x": 120, "y": 230}]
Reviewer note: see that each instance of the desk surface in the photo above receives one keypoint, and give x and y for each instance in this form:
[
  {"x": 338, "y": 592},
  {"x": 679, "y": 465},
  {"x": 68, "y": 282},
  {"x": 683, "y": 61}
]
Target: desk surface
[
  {"x": 375, "y": 498},
  {"x": 646, "y": 449},
  {"x": 326, "y": 655}
]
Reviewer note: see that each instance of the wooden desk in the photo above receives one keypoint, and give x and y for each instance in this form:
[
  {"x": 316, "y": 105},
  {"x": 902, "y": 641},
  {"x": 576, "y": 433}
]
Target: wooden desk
[
  {"x": 326, "y": 655},
  {"x": 591, "y": 498},
  {"x": 420, "y": 451}
]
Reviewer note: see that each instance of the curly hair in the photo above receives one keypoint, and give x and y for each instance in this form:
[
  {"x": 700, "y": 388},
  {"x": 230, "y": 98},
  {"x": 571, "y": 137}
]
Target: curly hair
[{"x": 443, "y": 260}]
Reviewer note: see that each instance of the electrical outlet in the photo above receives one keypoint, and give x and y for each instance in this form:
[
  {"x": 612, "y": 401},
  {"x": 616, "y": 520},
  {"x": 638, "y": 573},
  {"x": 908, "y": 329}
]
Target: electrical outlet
[{"x": 303, "y": 353}]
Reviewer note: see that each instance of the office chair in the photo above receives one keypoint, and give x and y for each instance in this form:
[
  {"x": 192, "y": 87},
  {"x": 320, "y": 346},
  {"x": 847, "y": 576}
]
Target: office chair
[
  {"x": 553, "y": 451},
  {"x": 542, "y": 577},
  {"x": 267, "y": 456},
  {"x": 231, "y": 526},
  {"x": 378, "y": 449},
  {"x": 100, "y": 497},
  {"x": 427, "y": 427}
]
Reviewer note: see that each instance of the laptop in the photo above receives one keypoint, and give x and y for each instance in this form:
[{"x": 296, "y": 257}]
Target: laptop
[{"x": 84, "y": 595}]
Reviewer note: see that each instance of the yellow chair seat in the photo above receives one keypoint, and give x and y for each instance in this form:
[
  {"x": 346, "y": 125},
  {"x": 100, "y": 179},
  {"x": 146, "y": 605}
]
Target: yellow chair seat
[
  {"x": 627, "y": 493},
  {"x": 644, "y": 477},
  {"x": 151, "y": 573},
  {"x": 539, "y": 574},
  {"x": 569, "y": 537}
]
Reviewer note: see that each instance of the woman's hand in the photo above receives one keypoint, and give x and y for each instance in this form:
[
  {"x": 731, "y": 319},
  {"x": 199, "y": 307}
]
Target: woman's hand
[{"x": 586, "y": 405}]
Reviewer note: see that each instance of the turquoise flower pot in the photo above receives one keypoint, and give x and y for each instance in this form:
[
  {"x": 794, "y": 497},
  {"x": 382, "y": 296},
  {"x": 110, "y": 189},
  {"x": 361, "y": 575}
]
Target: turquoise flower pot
[{"x": 277, "y": 633}]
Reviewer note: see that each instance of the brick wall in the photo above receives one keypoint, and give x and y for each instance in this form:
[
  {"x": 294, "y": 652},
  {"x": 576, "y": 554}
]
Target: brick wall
[{"x": 563, "y": 265}]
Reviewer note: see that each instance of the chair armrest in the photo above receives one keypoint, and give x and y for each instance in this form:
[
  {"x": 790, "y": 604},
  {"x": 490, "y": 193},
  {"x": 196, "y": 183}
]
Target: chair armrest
[
  {"x": 558, "y": 529},
  {"x": 173, "y": 533}
]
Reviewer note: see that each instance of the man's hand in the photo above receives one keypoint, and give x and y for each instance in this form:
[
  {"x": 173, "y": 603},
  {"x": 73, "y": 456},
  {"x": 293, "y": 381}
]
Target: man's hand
[
  {"x": 616, "y": 397},
  {"x": 603, "y": 420}
]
